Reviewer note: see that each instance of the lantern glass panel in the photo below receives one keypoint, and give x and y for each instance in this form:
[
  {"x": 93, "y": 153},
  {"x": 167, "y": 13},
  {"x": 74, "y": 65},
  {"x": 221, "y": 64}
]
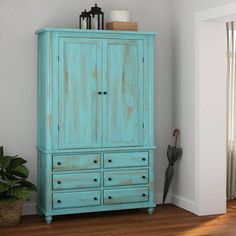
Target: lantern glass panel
[
  {"x": 97, "y": 17},
  {"x": 85, "y": 20}
]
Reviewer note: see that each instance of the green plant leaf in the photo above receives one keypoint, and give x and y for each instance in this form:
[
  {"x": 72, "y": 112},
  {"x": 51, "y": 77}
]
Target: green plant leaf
[
  {"x": 6, "y": 161},
  {"x": 22, "y": 193},
  {"x": 3, "y": 187},
  {"x": 14, "y": 163},
  {"x": 11, "y": 183},
  {"x": 25, "y": 183},
  {"x": 20, "y": 171},
  {"x": 10, "y": 176},
  {"x": 2, "y": 174},
  {"x": 1, "y": 155}
]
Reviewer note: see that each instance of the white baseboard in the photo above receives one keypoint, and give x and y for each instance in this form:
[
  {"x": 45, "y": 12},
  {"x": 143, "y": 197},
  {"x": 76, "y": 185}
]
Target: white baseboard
[
  {"x": 29, "y": 209},
  {"x": 183, "y": 203}
]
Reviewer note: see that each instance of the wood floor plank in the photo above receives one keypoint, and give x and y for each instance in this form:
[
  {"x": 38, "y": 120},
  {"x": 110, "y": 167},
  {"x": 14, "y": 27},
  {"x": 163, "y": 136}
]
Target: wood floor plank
[{"x": 167, "y": 220}]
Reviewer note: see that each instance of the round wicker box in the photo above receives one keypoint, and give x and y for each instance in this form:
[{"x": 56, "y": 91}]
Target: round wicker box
[{"x": 10, "y": 212}]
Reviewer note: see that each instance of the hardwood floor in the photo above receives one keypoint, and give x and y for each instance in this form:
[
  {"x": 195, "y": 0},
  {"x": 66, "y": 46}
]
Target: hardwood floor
[{"x": 166, "y": 220}]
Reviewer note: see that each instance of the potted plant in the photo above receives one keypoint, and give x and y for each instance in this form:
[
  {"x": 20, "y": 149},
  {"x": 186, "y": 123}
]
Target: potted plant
[{"x": 14, "y": 188}]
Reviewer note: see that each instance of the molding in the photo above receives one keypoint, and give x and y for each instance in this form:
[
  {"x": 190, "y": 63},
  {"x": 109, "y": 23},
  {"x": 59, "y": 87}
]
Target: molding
[
  {"x": 218, "y": 15},
  {"x": 183, "y": 203},
  {"x": 221, "y": 13},
  {"x": 29, "y": 209}
]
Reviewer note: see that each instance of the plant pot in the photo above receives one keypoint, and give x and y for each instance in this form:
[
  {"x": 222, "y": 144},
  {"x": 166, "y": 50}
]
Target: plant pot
[{"x": 10, "y": 212}]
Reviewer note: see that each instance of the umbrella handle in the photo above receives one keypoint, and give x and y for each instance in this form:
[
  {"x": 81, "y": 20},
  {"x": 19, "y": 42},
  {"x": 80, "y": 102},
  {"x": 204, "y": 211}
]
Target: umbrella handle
[{"x": 176, "y": 133}]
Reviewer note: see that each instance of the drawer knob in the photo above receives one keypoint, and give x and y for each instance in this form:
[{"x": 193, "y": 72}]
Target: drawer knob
[
  {"x": 110, "y": 160},
  {"x": 144, "y": 195},
  {"x": 144, "y": 177},
  {"x": 95, "y": 180},
  {"x": 105, "y": 93},
  {"x": 59, "y": 163},
  {"x": 99, "y": 93},
  {"x": 59, "y": 182},
  {"x": 95, "y": 198},
  {"x": 95, "y": 161},
  {"x": 59, "y": 201},
  {"x": 110, "y": 179},
  {"x": 109, "y": 197},
  {"x": 144, "y": 159}
]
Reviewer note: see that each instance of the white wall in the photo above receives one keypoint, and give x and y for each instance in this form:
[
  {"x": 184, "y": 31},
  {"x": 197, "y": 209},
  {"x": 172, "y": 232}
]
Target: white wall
[
  {"x": 18, "y": 86},
  {"x": 185, "y": 189}
]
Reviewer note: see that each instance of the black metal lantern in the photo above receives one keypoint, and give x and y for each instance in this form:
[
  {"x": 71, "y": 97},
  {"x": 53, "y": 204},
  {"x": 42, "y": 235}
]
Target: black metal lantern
[
  {"x": 97, "y": 18},
  {"x": 85, "y": 20}
]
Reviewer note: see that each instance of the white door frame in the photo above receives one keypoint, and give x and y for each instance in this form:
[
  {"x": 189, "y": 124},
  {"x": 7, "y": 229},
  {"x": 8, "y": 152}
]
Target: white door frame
[{"x": 210, "y": 109}]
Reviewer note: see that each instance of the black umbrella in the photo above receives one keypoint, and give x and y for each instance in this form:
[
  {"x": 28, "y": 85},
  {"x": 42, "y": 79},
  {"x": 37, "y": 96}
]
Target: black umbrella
[{"x": 173, "y": 154}]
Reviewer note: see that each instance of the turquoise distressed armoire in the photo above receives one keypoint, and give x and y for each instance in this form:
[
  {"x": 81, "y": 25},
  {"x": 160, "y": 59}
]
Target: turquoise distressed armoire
[{"x": 95, "y": 121}]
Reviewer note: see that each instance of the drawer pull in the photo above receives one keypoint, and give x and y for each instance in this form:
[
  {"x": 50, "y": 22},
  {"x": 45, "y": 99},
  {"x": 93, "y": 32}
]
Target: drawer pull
[
  {"x": 95, "y": 180},
  {"x": 144, "y": 177},
  {"x": 143, "y": 159},
  {"x": 95, "y": 198},
  {"x": 59, "y": 182},
  {"x": 110, "y": 160},
  {"x": 59, "y": 201},
  {"x": 109, "y": 197},
  {"x": 144, "y": 195},
  {"x": 95, "y": 161},
  {"x": 59, "y": 163},
  {"x": 110, "y": 179}
]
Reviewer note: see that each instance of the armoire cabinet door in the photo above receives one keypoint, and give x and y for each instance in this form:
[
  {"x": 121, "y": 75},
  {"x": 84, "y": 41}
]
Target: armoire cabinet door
[
  {"x": 80, "y": 62},
  {"x": 122, "y": 121}
]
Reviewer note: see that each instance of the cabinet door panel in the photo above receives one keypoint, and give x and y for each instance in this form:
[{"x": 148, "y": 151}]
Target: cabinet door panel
[
  {"x": 79, "y": 82},
  {"x": 123, "y": 102}
]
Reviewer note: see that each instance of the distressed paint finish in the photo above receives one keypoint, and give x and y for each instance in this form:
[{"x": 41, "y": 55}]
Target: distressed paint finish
[
  {"x": 125, "y": 177},
  {"x": 119, "y": 196},
  {"x": 95, "y": 150},
  {"x": 76, "y": 181},
  {"x": 123, "y": 104},
  {"x": 121, "y": 160},
  {"x": 76, "y": 162},
  {"x": 79, "y": 199},
  {"x": 79, "y": 83}
]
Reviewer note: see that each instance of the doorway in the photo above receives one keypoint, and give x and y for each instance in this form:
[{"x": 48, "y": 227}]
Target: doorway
[{"x": 210, "y": 108}]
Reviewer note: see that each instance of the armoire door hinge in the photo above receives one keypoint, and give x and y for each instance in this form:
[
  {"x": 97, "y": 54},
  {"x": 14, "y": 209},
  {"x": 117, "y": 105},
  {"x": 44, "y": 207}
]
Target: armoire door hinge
[
  {"x": 58, "y": 127},
  {"x": 143, "y": 59},
  {"x": 143, "y": 125},
  {"x": 58, "y": 58}
]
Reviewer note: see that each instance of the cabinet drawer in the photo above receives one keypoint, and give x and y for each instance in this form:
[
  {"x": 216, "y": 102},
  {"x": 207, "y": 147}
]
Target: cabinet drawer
[
  {"x": 116, "y": 160},
  {"x": 129, "y": 177},
  {"x": 76, "y": 162},
  {"x": 125, "y": 195},
  {"x": 77, "y": 199},
  {"x": 81, "y": 180}
]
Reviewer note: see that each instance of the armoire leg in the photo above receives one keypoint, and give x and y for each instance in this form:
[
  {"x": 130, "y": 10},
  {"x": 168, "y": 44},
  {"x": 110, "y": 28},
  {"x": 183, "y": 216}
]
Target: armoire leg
[
  {"x": 48, "y": 219},
  {"x": 150, "y": 210}
]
